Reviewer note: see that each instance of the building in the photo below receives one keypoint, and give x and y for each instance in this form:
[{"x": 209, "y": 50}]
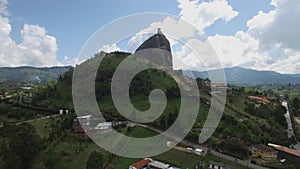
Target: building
[
  {"x": 84, "y": 120},
  {"x": 219, "y": 165},
  {"x": 264, "y": 152},
  {"x": 290, "y": 154},
  {"x": 199, "y": 152},
  {"x": 77, "y": 129},
  {"x": 142, "y": 164},
  {"x": 79, "y": 122},
  {"x": 260, "y": 99},
  {"x": 103, "y": 126},
  {"x": 158, "y": 165},
  {"x": 218, "y": 85}
]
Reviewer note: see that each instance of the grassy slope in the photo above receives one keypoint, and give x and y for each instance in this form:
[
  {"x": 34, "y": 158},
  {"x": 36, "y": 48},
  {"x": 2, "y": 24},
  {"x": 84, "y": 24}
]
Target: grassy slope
[{"x": 251, "y": 126}]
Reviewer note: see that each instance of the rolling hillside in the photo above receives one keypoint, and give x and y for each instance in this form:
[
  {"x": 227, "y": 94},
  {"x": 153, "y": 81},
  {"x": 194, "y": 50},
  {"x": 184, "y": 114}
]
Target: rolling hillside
[
  {"x": 31, "y": 74},
  {"x": 242, "y": 76}
]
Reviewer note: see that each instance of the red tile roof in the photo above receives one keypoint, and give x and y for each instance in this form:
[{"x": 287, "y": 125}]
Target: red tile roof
[
  {"x": 141, "y": 163},
  {"x": 289, "y": 151}
]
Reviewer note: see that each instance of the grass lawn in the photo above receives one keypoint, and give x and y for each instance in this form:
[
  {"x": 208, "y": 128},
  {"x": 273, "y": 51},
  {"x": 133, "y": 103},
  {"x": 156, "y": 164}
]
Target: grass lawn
[
  {"x": 42, "y": 127},
  {"x": 140, "y": 132},
  {"x": 68, "y": 154}
]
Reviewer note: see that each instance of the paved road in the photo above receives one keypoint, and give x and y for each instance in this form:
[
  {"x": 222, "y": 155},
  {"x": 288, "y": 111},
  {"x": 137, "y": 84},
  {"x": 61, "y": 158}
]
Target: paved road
[
  {"x": 290, "y": 129},
  {"x": 37, "y": 119},
  {"x": 246, "y": 163}
]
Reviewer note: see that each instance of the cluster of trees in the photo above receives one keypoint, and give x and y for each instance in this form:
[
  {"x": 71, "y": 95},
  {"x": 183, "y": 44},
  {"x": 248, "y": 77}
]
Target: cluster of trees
[
  {"x": 95, "y": 161},
  {"x": 19, "y": 113},
  {"x": 268, "y": 112},
  {"x": 18, "y": 146},
  {"x": 295, "y": 107},
  {"x": 16, "y": 113},
  {"x": 166, "y": 119},
  {"x": 57, "y": 127}
]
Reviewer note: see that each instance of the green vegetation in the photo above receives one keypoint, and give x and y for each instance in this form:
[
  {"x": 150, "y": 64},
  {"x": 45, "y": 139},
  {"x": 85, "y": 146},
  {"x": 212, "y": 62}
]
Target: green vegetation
[
  {"x": 95, "y": 161},
  {"x": 31, "y": 74},
  {"x": 245, "y": 122},
  {"x": 184, "y": 160},
  {"x": 68, "y": 151},
  {"x": 139, "y": 132},
  {"x": 19, "y": 144}
]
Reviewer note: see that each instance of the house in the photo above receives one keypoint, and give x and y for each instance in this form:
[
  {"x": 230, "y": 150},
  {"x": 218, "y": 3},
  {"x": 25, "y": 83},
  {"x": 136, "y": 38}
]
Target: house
[
  {"x": 103, "y": 126},
  {"x": 84, "y": 120},
  {"x": 218, "y": 85},
  {"x": 260, "y": 99},
  {"x": 189, "y": 150},
  {"x": 199, "y": 152},
  {"x": 264, "y": 152},
  {"x": 158, "y": 165},
  {"x": 290, "y": 154},
  {"x": 219, "y": 165},
  {"x": 77, "y": 129},
  {"x": 142, "y": 164},
  {"x": 78, "y": 123}
]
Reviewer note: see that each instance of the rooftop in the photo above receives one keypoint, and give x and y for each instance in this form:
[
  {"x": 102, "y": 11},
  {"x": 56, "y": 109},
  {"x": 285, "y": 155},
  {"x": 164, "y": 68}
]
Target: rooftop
[
  {"x": 158, "y": 164},
  {"x": 142, "y": 163},
  {"x": 288, "y": 150},
  {"x": 262, "y": 148}
]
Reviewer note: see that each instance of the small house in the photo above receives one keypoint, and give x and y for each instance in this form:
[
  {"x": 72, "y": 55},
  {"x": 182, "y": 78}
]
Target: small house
[
  {"x": 158, "y": 165},
  {"x": 219, "y": 165},
  {"x": 142, "y": 164},
  {"x": 264, "y": 152}
]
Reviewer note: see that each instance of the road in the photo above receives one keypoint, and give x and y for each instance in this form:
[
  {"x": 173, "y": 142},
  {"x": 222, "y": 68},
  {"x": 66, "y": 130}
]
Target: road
[
  {"x": 37, "y": 119},
  {"x": 245, "y": 163},
  {"x": 290, "y": 129}
]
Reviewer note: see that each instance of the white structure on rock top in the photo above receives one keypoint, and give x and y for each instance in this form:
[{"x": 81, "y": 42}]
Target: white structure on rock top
[{"x": 159, "y": 31}]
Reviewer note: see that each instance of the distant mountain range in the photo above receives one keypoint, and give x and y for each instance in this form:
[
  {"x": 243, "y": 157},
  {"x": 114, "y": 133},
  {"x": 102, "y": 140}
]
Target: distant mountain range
[
  {"x": 243, "y": 76},
  {"x": 234, "y": 75},
  {"x": 31, "y": 74}
]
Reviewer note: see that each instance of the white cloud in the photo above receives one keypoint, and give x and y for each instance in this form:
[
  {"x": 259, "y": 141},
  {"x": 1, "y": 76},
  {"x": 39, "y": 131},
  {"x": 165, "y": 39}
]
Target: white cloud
[
  {"x": 3, "y": 7},
  {"x": 110, "y": 48},
  {"x": 37, "y": 48},
  {"x": 192, "y": 15},
  {"x": 237, "y": 50},
  {"x": 204, "y": 14},
  {"x": 271, "y": 42},
  {"x": 280, "y": 26},
  {"x": 170, "y": 28}
]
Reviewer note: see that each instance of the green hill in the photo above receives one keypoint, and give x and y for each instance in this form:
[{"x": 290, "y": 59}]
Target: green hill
[
  {"x": 31, "y": 74},
  {"x": 241, "y": 76},
  {"x": 244, "y": 122}
]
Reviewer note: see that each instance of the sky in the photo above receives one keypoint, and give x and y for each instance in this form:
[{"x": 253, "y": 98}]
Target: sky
[{"x": 256, "y": 34}]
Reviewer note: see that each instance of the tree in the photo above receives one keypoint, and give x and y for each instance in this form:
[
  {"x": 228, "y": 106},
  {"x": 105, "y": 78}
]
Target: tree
[
  {"x": 50, "y": 159},
  {"x": 95, "y": 161},
  {"x": 13, "y": 161},
  {"x": 21, "y": 146},
  {"x": 296, "y": 106},
  {"x": 172, "y": 117},
  {"x": 296, "y": 103},
  {"x": 279, "y": 115}
]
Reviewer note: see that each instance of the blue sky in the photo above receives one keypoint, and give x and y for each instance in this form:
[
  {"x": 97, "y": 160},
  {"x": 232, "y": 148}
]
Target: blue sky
[{"x": 63, "y": 27}]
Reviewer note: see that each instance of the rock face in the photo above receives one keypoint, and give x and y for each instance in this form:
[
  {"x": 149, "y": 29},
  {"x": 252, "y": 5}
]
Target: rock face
[{"x": 159, "y": 41}]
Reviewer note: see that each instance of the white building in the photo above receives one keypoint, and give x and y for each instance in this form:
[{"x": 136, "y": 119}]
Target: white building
[
  {"x": 103, "y": 126},
  {"x": 158, "y": 165}
]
